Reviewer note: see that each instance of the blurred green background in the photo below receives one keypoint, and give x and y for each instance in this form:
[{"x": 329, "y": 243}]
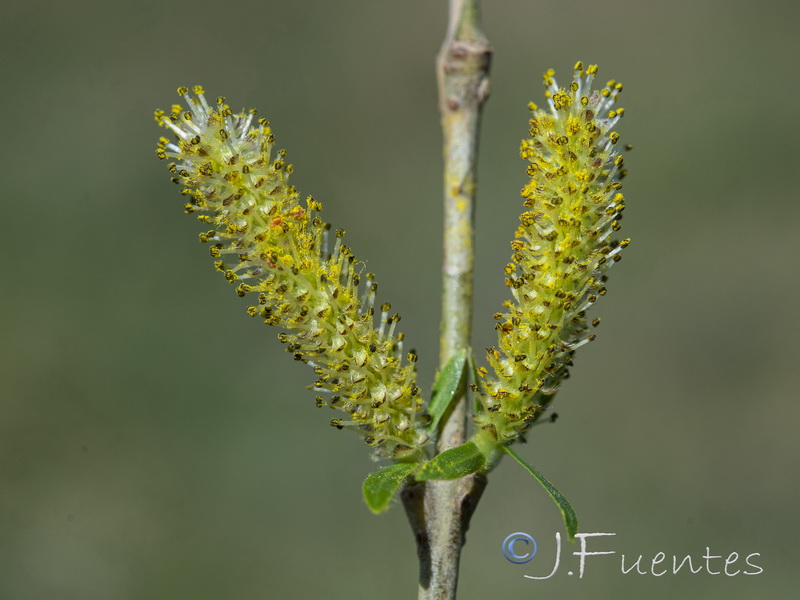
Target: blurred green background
[{"x": 155, "y": 442}]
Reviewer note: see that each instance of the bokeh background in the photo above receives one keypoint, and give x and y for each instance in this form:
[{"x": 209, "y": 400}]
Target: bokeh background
[{"x": 155, "y": 442}]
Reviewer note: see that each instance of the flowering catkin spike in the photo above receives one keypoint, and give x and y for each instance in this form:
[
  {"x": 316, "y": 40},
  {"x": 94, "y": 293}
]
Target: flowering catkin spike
[
  {"x": 561, "y": 253},
  {"x": 273, "y": 248}
]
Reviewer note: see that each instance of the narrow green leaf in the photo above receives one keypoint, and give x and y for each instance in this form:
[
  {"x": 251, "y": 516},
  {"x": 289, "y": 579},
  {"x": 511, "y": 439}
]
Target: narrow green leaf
[
  {"x": 452, "y": 464},
  {"x": 380, "y": 487},
  {"x": 445, "y": 388},
  {"x": 567, "y": 512}
]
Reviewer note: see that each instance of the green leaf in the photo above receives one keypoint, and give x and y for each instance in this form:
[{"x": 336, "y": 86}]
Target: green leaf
[
  {"x": 567, "y": 512},
  {"x": 453, "y": 464},
  {"x": 380, "y": 487},
  {"x": 445, "y": 388}
]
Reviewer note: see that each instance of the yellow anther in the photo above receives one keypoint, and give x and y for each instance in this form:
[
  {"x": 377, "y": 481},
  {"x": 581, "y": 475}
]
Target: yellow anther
[{"x": 561, "y": 100}]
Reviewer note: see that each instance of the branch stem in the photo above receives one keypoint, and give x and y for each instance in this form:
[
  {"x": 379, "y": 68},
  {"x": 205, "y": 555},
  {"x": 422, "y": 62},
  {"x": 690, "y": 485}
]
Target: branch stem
[{"x": 439, "y": 511}]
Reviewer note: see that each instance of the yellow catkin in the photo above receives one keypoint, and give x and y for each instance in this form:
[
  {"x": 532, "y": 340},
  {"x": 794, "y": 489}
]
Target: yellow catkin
[
  {"x": 273, "y": 248},
  {"x": 561, "y": 253}
]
